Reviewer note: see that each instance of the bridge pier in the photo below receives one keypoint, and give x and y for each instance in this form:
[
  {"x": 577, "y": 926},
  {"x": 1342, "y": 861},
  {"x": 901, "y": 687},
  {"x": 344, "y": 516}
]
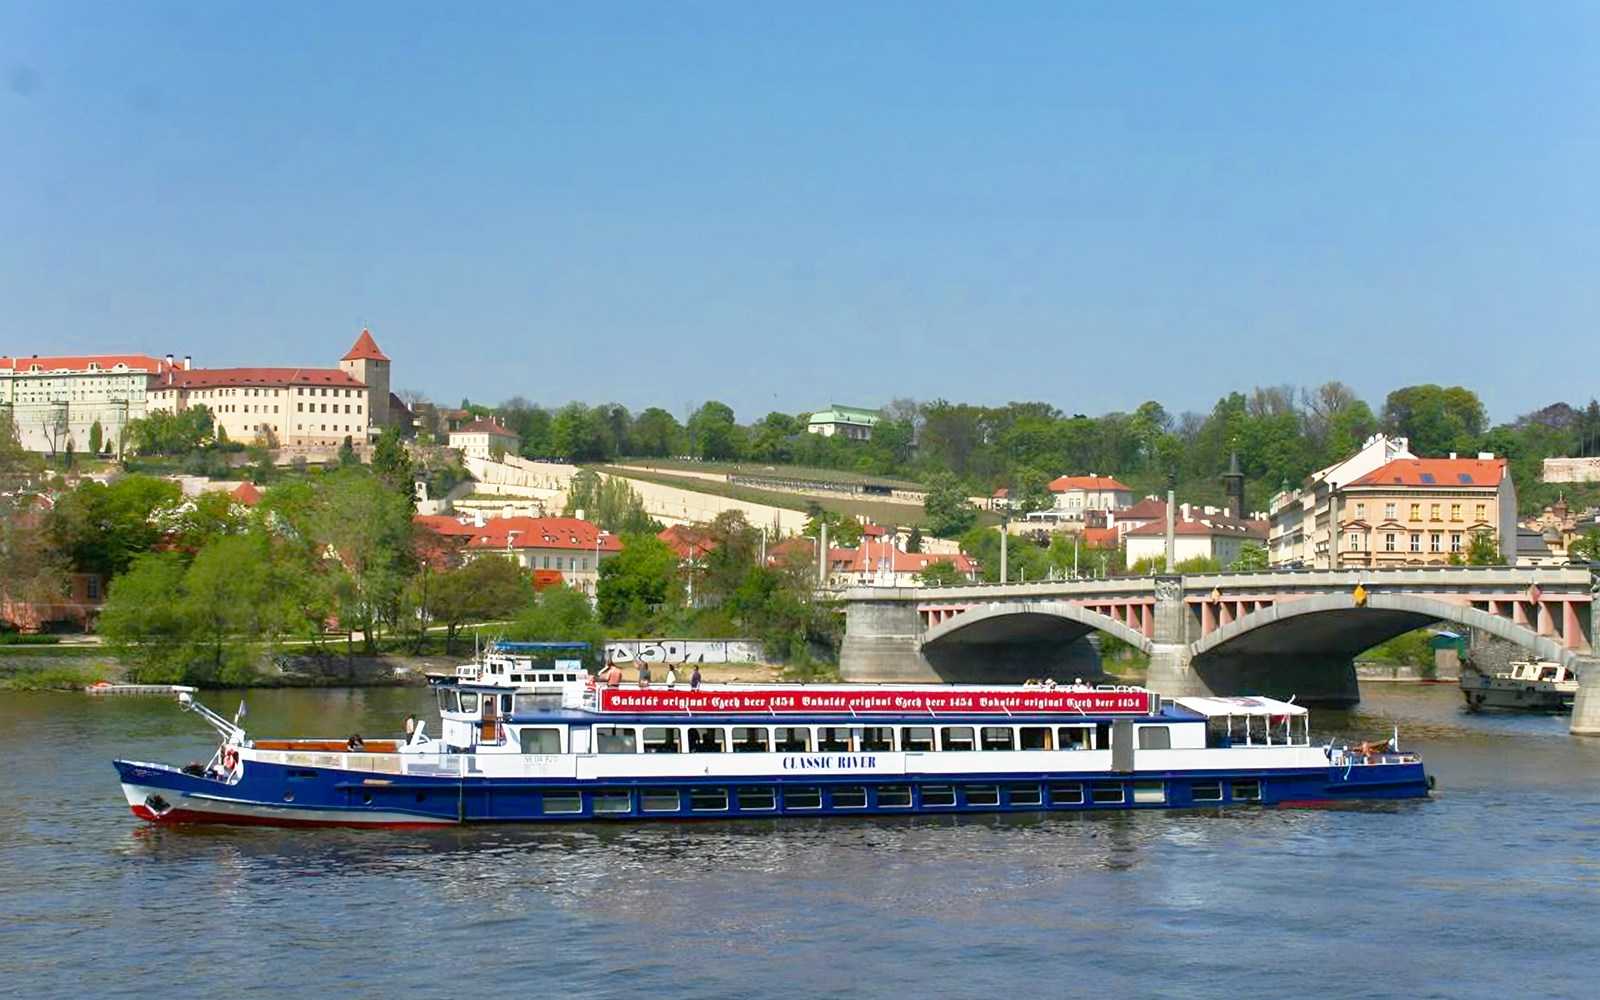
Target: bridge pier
[
  {"x": 1586, "y": 709},
  {"x": 883, "y": 642}
]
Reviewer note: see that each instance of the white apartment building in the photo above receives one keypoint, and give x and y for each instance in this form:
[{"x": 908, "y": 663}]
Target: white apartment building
[
  {"x": 57, "y": 400},
  {"x": 1299, "y": 519}
]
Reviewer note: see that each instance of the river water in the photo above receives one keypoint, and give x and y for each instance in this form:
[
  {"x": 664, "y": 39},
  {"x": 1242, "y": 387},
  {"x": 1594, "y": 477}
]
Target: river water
[{"x": 1490, "y": 889}]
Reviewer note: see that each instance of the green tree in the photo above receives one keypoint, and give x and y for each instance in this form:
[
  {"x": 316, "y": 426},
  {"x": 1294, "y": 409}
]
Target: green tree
[
  {"x": 236, "y": 600},
  {"x": 914, "y": 540},
  {"x": 844, "y": 532},
  {"x": 392, "y": 464},
  {"x": 32, "y": 571},
  {"x": 713, "y": 433},
  {"x": 486, "y": 589},
  {"x": 147, "y": 625},
  {"x": 560, "y": 614},
  {"x": 638, "y": 584},
  {"x": 1436, "y": 419},
  {"x": 96, "y": 438},
  {"x": 101, "y": 529},
  {"x": 657, "y": 434},
  {"x": 947, "y": 512},
  {"x": 941, "y": 574},
  {"x": 1483, "y": 549},
  {"x": 366, "y": 530},
  {"x": 1251, "y": 558},
  {"x": 1586, "y": 547},
  {"x": 347, "y": 452}
]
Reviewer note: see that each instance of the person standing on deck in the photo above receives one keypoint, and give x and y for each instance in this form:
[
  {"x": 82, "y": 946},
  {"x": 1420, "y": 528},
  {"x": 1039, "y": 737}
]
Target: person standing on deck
[
  {"x": 644, "y": 675},
  {"x": 672, "y": 677},
  {"x": 613, "y": 675},
  {"x": 694, "y": 679}
]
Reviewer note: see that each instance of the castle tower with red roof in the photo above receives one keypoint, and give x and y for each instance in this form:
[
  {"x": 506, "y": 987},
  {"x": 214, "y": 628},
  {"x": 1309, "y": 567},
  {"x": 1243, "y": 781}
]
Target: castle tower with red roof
[{"x": 365, "y": 363}]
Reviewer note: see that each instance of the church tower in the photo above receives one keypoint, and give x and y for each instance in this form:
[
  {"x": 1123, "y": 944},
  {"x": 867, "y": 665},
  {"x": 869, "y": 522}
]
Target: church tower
[{"x": 366, "y": 363}]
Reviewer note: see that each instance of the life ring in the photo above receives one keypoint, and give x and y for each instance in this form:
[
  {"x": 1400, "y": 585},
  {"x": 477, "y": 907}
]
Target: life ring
[{"x": 230, "y": 759}]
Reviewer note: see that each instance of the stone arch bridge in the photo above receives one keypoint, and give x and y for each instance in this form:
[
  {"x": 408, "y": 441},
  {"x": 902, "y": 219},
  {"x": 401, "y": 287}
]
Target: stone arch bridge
[{"x": 1286, "y": 632}]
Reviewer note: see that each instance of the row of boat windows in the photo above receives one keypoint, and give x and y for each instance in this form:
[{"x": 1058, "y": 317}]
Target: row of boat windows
[
  {"x": 712, "y": 799},
  {"x": 838, "y": 739}
]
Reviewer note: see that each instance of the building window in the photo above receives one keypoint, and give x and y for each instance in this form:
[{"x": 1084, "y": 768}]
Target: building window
[
  {"x": 1436, "y": 542},
  {"x": 1455, "y": 512},
  {"x": 1361, "y": 511},
  {"x": 1455, "y": 541},
  {"x": 1388, "y": 542},
  {"x": 1433, "y": 512},
  {"x": 1416, "y": 541},
  {"x": 1388, "y": 511},
  {"x": 1354, "y": 541},
  {"x": 1481, "y": 510},
  {"x": 1416, "y": 512}
]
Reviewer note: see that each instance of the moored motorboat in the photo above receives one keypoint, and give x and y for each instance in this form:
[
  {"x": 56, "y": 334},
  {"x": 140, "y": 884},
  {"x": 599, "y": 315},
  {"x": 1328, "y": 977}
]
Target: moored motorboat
[
  {"x": 555, "y": 746},
  {"x": 1527, "y": 686}
]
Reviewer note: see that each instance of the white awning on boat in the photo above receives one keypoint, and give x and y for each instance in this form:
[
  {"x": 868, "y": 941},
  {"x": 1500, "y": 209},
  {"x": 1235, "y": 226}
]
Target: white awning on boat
[{"x": 1218, "y": 707}]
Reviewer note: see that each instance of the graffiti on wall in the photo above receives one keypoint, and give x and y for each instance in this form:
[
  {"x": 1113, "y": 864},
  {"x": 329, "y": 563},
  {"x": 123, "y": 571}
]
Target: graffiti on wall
[{"x": 682, "y": 651}]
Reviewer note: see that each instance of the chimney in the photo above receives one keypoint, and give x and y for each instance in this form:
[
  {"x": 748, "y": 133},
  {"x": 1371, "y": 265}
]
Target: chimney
[
  {"x": 1484, "y": 456},
  {"x": 1186, "y": 511},
  {"x": 169, "y": 361},
  {"x": 1452, "y": 456},
  {"x": 188, "y": 363},
  {"x": 477, "y": 518}
]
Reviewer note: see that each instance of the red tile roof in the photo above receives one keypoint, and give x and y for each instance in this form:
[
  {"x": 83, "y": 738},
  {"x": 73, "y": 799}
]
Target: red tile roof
[
  {"x": 688, "y": 542},
  {"x": 484, "y": 427},
  {"x": 1147, "y": 509},
  {"x": 247, "y": 494},
  {"x": 206, "y": 378},
  {"x": 1199, "y": 523},
  {"x": 865, "y": 560},
  {"x": 1452, "y": 473},
  {"x": 1065, "y": 483},
  {"x": 81, "y": 363},
  {"x": 541, "y": 533},
  {"x": 1099, "y": 538},
  {"x": 366, "y": 349}
]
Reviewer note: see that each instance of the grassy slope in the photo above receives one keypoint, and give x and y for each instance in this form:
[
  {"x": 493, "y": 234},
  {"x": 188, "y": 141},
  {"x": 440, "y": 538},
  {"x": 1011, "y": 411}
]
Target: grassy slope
[{"x": 879, "y": 511}]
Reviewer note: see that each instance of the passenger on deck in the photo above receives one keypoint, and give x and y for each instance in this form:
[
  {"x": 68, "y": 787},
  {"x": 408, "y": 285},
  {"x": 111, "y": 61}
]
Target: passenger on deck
[
  {"x": 672, "y": 678},
  {"x": 613, "y": 675},
  {"x": 644, "y": 676},
  {"x": 355, "y": 743},
  {"x": 694, "y": 679}
]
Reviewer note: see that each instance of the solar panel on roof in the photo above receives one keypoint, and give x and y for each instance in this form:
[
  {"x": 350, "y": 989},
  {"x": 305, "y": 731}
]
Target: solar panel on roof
[{"x": 1427, "y": 477}]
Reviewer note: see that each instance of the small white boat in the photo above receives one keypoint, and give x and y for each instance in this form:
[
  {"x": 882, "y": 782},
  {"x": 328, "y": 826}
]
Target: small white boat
[{"x": 1529, "y": 686}]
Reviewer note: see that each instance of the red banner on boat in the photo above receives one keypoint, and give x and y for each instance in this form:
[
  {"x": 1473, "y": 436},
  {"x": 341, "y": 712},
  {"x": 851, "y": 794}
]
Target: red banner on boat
[{"x": 869, "y": 700}]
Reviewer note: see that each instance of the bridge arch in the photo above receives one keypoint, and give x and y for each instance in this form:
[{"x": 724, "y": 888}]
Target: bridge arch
[
  {"x": 999, "y": 621},
  {"x": 1383, "y": 617}
]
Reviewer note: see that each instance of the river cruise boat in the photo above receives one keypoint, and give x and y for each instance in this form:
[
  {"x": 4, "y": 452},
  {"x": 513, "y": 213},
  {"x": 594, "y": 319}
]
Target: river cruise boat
[
  {"x": 549, "y": 744},
  {"x": 1528, "y": 686}
]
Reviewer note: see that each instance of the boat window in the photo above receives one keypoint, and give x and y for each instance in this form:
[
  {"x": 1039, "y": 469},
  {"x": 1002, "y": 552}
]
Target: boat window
[
  {"x": 1066, "y": 793},
  {"x": 661, "y": 739},
  {"x": 756, "y": 799},
  {"x": 750, "y": 739},
  {"x": 916, "y": 739},
  {"x": 1150, "y": 792},
  {"x": 1106, "y": 792},
  {"x": 1246, "y": 791},
  {"x": 1024, "y": 795},
  {"x": 894, "y": 797},
  {"x": 708, "y": 799},
  {"x": 807, "y": 797},
  {"x": 615, "y": 739},
  {"x": 998, "y": 738},
  {"x": 612, "y": 803},
  {"x": 448, "y": 701},
  {"x": 833, "y": 738},
  {"x": 562, "y": 802},
  {"x": 1037, "y": 738},
  {"x": 706, "y": 739},
  {"x": 956, "y": 737},
  {"x": 938, "y": 795},
  {"x": 983, "y": 795},
  {"x": 469, "y": 702},
  {"x": 877, "y": 738},
  {"x": 537, "y": 739},
  {"x": 1206, "y": 791},
  {"x": 1075, "y": 738},
  {"x": 793, "y": 739},
  {"x": 658, "y": 800},
  {"x": 1155, "y": 738},
  {"x": 541, "y": 678},
  {"x": 849, "y": 797},
  {"x": 505, "y": 704}
]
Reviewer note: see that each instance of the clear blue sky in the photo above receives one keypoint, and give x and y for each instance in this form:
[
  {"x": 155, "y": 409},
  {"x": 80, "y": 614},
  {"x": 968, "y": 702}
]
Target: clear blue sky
[{"x": 781, "y": 205}]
